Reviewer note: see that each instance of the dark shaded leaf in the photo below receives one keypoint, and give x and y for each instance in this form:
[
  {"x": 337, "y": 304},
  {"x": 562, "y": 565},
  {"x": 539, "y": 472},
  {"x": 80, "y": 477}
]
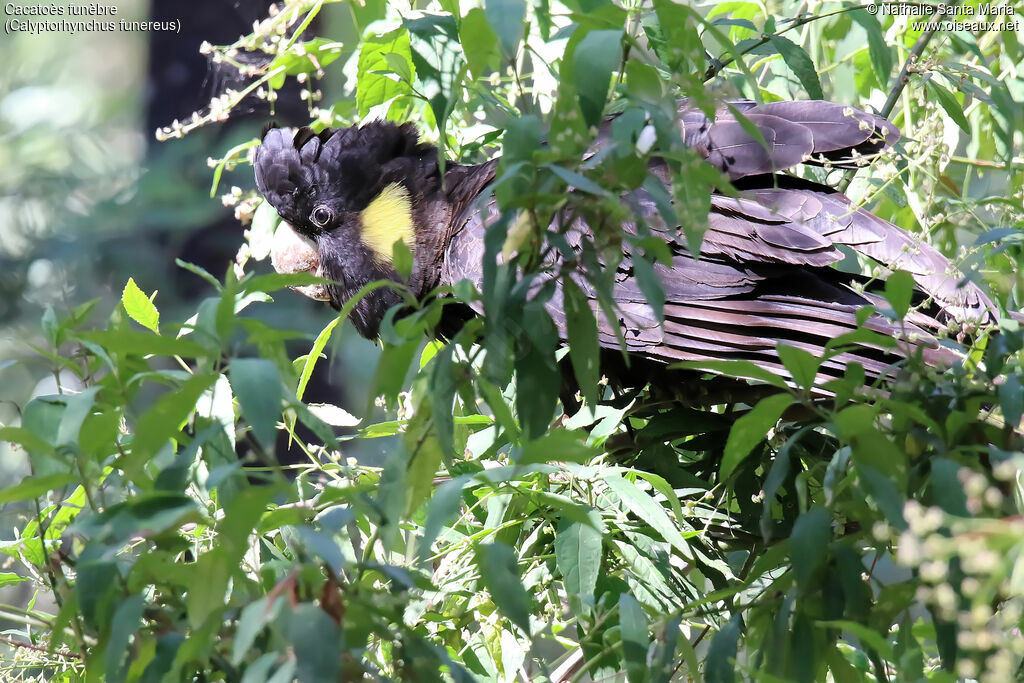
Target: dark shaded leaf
[
  {"x": 720, "y": 665},
  {"x": 578, "y": 554},
  {"x": 1011, "y": 400},
  {"x": 558, "y": 444},
  {"x": 314, "y": 637},
  {"x": 127, "y": 618},
  {"x": 948, "y": 102},
  {"x": 752, "y": 429},
  {"x": 500, "y": 574},
  {"x": 162, "y": 421},
  {"x": 797, "y": 60},
  {"x": 635, "y": 640},
  {"x": 506, "y": 18},
  {"x": 584, "y": 349},
  {"x": 594, "y": 59},
  {"x": 808, "y": 544},
  {"x": 879, "y": 49},
  {"x": 257, "y": 384}
]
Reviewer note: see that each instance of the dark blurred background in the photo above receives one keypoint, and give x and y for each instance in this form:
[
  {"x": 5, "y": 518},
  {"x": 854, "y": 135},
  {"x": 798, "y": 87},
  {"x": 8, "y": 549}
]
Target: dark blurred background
[{"x": 89, "y": 197}]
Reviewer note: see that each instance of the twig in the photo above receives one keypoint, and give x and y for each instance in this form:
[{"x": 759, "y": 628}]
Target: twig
[
  {"x": 1017, "y": 162},
  {"x": 38, "y": 648},
  {"x": 717, "y": 65}
]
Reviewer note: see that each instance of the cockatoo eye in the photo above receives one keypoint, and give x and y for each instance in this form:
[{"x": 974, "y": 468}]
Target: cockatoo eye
[{"x": 321, "y": 216}]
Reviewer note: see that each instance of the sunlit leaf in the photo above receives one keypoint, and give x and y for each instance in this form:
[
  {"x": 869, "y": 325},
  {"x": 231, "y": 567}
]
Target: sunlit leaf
[{"x": 140, "y": 307}]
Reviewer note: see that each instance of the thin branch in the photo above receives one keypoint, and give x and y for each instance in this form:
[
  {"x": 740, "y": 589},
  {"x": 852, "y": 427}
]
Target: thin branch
[
  {"x": 717, "y": 65},
  {"x": 1017, "y": 162},
  {"x": 38, "y": 648}
]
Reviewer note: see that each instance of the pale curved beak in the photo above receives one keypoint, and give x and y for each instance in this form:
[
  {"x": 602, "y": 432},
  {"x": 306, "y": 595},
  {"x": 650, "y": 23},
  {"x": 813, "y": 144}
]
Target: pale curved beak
[{"x": 290, "y": 253}]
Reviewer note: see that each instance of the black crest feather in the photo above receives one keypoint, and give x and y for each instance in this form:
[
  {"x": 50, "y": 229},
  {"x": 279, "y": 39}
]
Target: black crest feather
[{"x": 297, "y": 168}]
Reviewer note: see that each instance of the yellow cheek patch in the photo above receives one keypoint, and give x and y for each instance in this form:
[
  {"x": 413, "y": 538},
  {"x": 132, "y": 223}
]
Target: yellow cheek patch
[{"x": 387, "y": 219}]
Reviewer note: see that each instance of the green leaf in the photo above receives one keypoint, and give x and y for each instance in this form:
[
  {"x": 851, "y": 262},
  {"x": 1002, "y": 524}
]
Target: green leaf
[
  {"x": 776, "y": 476},
  {"x": 142, "y": 516},
  {"x": 879, "y": 49},
  {"x": 867, "y": 635},
  {"x": 500, "y": 574},
  {"x": 842, "y": 671},
  {"x": 32, "y": 487},
  {"x": 314, "y": 355},
  {"x": 578, "y": 181},
  {"x": 506, "y": 18},
  {"x": 200, "y": 271},
  {"x": 163, "y": 419},
  {"x": 276, "y": 281},
  {"x": 257, "y": 384},
  {"x": 9, "y": 579},
  {"x": 808, "y": 545},
  {"x": 442, "y": 507},
  {"x": 663, "y": 487},
  {"x": 899, "y": 289},
  {"x": 797, "y": 60},
  {"x": 594, "y": 59},
  {"x": 720, "y": 666},
  {"x": 140, "y": 307},
  {"x": 392, "y": 368},
  {"x": 883, "y": 493},
  {"x": 1011, "y": 400},
  {"x": 558, "y": 444},
  {"x": 314, "y": 637},
  {"x": 253, "y": 618},
  {"x": 578, "y": 556},
  {"x": 126, "y": 620},
  {"x": 733, "y": 368},
  {"x": 95, "y": 584},
  {"x": 801, "y": 364},
  {"x": 77, "y": 407},
  {"x": 400, "y": 65},
  {"x": 300, "y": 58},
  {"x": 401, "y": 259},
  {"x": 635, "y": 641},
  {"x": 947, "y": 490},
  {"x": 374, "y": 88},
  {"x": 752, "y": 429},
  {"x": 537, "y": 377},
  {"x": 948, "y": 101},
  {"x": 650, "y": 285},
  {"x": 143, "y": 344},
  {"x": 647, "y": 509},
  {"x": 425, "y": 455},
  {"x": 478, "y": 42}
]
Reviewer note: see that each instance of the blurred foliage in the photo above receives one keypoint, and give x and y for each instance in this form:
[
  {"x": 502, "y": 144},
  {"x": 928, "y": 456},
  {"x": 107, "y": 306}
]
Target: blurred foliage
[{"x": 878, "y": 537}]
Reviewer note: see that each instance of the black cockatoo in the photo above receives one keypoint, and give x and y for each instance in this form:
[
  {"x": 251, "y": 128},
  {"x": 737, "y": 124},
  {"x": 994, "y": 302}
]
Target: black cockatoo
[{"x": 764, "y": 274}]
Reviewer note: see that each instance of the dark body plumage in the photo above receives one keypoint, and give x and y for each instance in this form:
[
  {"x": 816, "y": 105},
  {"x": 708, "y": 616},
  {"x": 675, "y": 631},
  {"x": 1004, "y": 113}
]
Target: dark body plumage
[{"x": 763, "y": 276}]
